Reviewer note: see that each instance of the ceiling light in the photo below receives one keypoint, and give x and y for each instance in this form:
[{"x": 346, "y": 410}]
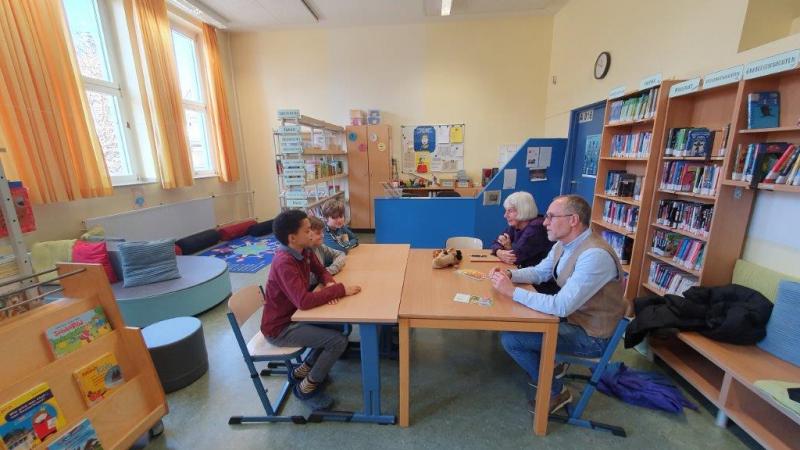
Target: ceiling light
[{"x": 446, "y": 5}]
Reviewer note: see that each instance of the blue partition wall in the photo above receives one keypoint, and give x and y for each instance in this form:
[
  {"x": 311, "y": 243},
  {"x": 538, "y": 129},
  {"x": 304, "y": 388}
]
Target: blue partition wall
[{"x": 428, "y": 222}]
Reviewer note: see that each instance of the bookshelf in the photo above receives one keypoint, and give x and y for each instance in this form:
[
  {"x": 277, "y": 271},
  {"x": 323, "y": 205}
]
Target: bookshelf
[
  {"x": 704, "y": 221},
  {"x": 310, "y": 160},
  {"x": 133, "y": 408},
  {"x": 622, "y": 148},
  {"x": 788, "y": 85}
]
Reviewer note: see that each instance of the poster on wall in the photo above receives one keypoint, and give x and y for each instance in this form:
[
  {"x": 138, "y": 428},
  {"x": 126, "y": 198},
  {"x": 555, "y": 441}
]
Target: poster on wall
[
  {"x": 424, "y": 139},
  {"x": 444, "y": 145},
  {"x": 591, "y": 156}
]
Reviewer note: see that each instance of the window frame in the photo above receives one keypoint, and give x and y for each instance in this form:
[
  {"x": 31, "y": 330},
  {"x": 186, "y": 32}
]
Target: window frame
[
  {"x": 193, "y": 32},
  {"x": 114, "y": 88}
]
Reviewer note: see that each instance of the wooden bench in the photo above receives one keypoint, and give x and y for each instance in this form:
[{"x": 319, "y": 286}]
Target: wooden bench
[{"x": 726, "y": 374}]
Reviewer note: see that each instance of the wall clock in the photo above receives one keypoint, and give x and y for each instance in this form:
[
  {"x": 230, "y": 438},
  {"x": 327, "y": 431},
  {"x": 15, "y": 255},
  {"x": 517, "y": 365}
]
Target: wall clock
[{"x": 601, "y": 65}]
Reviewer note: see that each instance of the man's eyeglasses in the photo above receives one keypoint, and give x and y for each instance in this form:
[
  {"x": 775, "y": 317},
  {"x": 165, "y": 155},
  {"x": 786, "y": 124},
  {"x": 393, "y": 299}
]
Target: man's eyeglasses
[{"x": 551, "y": 216}]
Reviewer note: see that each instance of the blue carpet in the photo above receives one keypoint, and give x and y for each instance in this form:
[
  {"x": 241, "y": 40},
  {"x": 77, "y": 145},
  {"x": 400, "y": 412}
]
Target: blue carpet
[{"x": 246, "y": 254}]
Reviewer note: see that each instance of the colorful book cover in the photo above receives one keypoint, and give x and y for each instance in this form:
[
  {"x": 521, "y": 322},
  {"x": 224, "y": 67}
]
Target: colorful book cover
[
  {"x": 78, "y": 331},
  {"x": 98, "y": 379},
  {"x": 763, "y": 109},
  {"x": 81, "y": 437},
  {"x": 30, "y": 419},
  {"x": 699, "y": 142}
]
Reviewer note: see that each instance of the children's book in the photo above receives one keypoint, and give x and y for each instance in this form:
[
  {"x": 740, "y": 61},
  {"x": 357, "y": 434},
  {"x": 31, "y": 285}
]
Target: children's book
[
  {"x": 98, "y": 379},
  {"x": 72, "y": 334},
  {"x": 81, "y": 437},
  {"x": 763, "y": 109},
  {"x": 28, "y": 420}
]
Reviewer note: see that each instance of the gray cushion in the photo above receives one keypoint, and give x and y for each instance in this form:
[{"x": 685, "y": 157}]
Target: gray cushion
[{"x": 148, "y": 262}]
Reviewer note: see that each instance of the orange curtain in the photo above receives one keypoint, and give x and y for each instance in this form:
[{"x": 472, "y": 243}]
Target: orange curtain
[
  {"x": 163, "y": 93},
  {"x": 218, "y": 107},
  {"x": 44, "y": 115}
]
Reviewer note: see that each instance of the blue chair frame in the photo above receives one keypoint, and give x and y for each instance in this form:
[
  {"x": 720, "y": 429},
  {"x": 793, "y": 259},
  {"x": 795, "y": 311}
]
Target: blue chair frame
[
  {"x": 574, "y": 414},
  {"x": 272, "y": 413}
]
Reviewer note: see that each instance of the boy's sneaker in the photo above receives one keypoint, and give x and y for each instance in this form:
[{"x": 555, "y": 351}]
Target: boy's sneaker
[
  {"x": 558, "y": 373},
  {"x": 557, "y": 401},
  {"x": 316, "y": 399}
]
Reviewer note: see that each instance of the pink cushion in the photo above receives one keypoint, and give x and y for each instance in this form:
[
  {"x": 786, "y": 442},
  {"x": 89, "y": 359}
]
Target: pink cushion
[
  {"x": 235, "y": 230},
  {"x": 94, "y": 252}
]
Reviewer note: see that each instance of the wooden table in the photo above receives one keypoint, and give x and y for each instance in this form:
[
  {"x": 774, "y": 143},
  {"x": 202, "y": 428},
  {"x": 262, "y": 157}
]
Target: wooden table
[
  {"x": 378, "y": 269},
  {"x": 427, "y": 302}
]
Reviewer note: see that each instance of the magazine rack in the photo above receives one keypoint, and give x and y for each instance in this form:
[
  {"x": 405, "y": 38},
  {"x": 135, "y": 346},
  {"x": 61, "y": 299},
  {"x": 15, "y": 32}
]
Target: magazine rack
[{"x": 129, "y": 411}]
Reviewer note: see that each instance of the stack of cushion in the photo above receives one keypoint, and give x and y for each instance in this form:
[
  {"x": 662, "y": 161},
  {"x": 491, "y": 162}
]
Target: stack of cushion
[
  {"x": 235, "y": 230},
  {"x": 198, "y": 241},
  {"x": 260, "y": 229}
]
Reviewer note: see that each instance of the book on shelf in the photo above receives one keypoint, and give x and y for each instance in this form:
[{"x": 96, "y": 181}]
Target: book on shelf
[
  {"x": 640, "y": 107},
  {"x": 637, "y": 187},
  {"x": 635, "y": 145},
  {"x": 761, "y": 157},
  {"x": 670, "y": 279},
  {"x": 683, "y": 176},
  {"x": 621, "y": 214},
  {"x": 80, "y": 437},
  {"x": 686, "y": 216},
  {"x": 621, "y": 244},
  {"x": 737, "y": 174},
  {"x": 74, "y": 333},
  {"x": 780, "y": 169},
  {"x": 665, "y": 243},
  {"x": 689, "y": 142},
  {"x": 689, "y": 253},
  {"x": 726, "y": 131},
  {"x": 98, "y": 379},
  {"x": 763, "y": 109},
  {"x": 29, "y": 419}
]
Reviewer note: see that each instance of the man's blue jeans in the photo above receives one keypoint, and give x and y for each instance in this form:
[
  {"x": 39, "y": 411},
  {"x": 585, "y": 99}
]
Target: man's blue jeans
[{"x": 526, "y": 348}]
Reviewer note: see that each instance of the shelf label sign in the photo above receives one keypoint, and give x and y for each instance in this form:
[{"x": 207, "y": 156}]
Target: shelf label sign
[
  {"x": 290, "y": 139},
  {"x": 296, "y": 194},
  {"x": 288, "y": 114},
  {"x": 294, "y": 172},
  {"x": 293, "y": 180},
  {"x": 294, "y": 164},
  {"x": 618, "y": 91},
  {"x": 685, "y": 87},
  {"x": 774, "y": 64},
  {"x": 723, "y": 77},
  {"x": 292, "y": 148},
  {"x": 289, "y": 129},
  {"x": 651, "y": 81},
  {"x": 292, "y": 203}
]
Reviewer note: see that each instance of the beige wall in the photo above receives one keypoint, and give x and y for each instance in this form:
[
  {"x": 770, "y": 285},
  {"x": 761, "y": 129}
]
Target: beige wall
[
  {"x": 65, "y": 220},
  {"x": 768, "y": 20},
  {"x": 490, "y": 74},
  {"x": 681, "y": 39}
]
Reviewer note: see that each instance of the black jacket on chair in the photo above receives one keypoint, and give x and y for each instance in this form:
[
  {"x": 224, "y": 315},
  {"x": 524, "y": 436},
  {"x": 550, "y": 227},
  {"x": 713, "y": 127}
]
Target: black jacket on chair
[{"x": 731, "y": 313}]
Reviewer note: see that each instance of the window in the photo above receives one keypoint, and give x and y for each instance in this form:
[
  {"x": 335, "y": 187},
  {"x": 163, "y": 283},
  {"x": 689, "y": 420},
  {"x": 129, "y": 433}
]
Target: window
[
  {"x": 92, "y": 40},
  {"x": 186, "y": 44}
]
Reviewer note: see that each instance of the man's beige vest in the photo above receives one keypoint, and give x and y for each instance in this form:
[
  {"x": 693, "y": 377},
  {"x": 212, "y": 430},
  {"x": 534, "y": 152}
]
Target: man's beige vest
[{"x": 601, "y": 313}]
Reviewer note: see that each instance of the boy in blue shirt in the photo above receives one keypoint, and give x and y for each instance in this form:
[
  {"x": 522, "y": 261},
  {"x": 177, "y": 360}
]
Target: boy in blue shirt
[{"x": 337, "y": 235}]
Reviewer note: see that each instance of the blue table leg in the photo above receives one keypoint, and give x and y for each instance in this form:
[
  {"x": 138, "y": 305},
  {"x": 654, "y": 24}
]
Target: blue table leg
[{"x": 371, "y": 377}]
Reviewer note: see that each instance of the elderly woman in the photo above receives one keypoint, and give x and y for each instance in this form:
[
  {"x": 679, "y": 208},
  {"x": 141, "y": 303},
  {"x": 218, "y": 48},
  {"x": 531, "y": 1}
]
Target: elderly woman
[{"x": 524, "y": 243}]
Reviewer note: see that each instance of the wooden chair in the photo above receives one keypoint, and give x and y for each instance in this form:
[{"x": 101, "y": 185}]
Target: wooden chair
[
  {"x": 241, "y": 306},
  {"x": 462, "y": 243},
  {"x": 598, "y": 366}
]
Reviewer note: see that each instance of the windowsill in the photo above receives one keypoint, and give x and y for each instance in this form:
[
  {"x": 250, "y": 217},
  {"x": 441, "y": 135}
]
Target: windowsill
[
  {"x": 206, "y": 175},
  {"x": 135, "y": 183}
]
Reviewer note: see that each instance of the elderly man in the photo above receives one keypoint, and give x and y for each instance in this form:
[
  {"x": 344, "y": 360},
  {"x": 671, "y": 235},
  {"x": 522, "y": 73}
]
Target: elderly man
[{"x": 590, "y": 300}]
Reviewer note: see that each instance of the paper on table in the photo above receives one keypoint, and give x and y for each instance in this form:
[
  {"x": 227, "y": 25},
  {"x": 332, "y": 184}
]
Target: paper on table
[{"x": 510, "y": 179}]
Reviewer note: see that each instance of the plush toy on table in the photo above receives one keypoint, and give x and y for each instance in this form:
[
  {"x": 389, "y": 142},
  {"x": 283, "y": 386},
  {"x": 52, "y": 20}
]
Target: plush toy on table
[{"x": 446, "y": 257}]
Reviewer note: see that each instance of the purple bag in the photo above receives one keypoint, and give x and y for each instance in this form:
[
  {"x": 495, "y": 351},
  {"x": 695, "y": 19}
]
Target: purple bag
[{"x": 649, "y": 389}]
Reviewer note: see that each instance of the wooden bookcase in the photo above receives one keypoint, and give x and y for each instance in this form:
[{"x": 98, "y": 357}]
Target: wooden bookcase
[
  {"x": 645, "y": 167},
  {"x": 788, "y": 84},
  {"x": 128, "y": 412},
  {"x": 714, "y": 109},
  {"x": 308, "y": 187}
]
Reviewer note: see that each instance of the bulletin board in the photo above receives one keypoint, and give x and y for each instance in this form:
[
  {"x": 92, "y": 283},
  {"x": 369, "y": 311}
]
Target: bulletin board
[{"x": 433, "y": 148}]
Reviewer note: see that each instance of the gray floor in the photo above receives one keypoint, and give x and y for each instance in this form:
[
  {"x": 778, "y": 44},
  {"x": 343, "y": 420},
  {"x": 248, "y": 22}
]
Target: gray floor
[{"x": 465, "y": 393}]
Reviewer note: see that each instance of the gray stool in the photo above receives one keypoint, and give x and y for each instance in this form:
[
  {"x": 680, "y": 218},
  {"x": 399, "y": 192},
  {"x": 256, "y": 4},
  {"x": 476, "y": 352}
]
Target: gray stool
[{"x": 178, "y": 351}]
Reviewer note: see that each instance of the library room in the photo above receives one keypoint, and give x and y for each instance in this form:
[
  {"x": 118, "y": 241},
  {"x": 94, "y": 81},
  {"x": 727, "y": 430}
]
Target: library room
[{"x": 403, "y": 224}]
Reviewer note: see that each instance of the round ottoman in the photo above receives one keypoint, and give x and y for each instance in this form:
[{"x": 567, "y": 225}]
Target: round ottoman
[{"x": 178, "y": 350}]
